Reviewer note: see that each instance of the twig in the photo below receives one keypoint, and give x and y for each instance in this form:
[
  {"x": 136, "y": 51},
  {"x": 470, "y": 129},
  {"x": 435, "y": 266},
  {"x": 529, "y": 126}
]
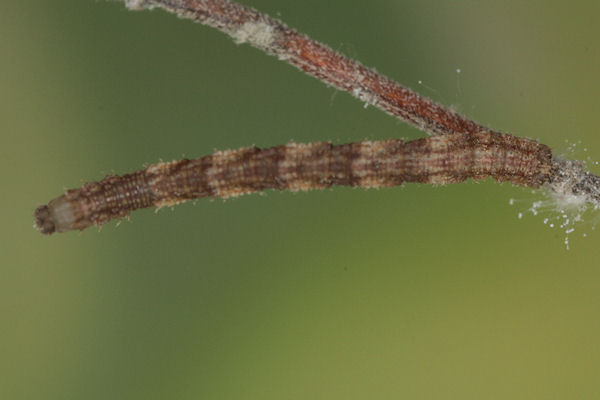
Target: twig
[
  {"x": 465, "y": 149},
  {"x": 246, "y": 25}
]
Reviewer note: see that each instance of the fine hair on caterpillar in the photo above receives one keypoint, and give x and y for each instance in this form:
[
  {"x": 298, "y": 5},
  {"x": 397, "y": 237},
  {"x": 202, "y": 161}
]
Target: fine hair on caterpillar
[{"x": 458, "y": 148}]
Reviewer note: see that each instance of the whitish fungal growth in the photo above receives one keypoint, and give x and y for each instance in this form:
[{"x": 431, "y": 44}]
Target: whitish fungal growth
[
  {"x": 257, "y": 34},
  {"x": 137, "y": 4},
  {"x": 571, "y": 192},
  {"x": 573, "y": 186},
  {"x": 365, "y": 96}
]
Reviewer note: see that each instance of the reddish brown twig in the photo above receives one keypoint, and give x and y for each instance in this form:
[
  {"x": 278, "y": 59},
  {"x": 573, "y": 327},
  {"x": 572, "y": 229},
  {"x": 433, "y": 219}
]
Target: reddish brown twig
[
  {"x": 466, "y": 149},
  {"x": 246, "y": 25}
]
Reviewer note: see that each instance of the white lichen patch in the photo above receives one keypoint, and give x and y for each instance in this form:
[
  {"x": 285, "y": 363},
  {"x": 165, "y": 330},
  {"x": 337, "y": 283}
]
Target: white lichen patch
[
  {"x": 364, "y": 95},
  {"x": 138, "y": 5},
  {"x": 259, "y": 34}
]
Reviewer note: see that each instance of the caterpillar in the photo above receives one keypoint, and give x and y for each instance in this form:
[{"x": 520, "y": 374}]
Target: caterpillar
[{"x": 295, "y": 166}]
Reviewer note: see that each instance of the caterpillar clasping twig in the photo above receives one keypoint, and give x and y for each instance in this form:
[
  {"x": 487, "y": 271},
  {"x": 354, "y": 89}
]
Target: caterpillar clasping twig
[{"x": 459, "y": 148}]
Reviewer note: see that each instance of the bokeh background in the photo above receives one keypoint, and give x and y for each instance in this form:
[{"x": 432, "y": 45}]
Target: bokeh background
[{"x": 415, "y": 292}]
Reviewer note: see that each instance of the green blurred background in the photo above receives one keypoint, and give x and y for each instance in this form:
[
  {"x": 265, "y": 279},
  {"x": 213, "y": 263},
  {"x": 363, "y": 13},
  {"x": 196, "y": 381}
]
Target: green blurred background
[{"x": 415, "y": 292}]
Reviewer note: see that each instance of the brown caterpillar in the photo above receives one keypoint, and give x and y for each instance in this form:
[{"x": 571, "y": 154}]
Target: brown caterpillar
[{"x": 368, "y": 164}]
